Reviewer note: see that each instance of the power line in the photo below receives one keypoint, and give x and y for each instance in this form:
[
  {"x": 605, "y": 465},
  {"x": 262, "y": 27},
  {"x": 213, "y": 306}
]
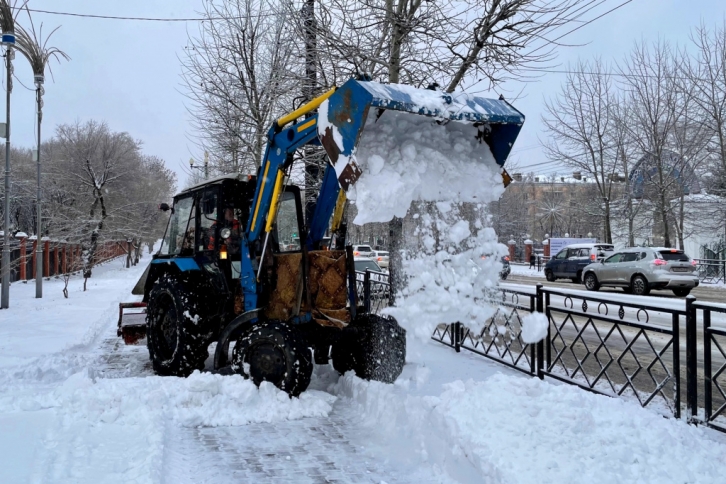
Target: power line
[
  {"x": 150, "y": 19},
  {"x": 580, "y": 26}
]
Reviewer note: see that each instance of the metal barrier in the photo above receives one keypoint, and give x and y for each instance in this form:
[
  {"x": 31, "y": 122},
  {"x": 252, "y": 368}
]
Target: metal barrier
[
  {"x": 373, "y": 290},
  {"x": 611, "y": 347},
  {"x": 711, "y": 271},
  {"x": 589, "y": 346},
  {"x": 500, "y": 337},
  {"x": 714, "y": 381}
]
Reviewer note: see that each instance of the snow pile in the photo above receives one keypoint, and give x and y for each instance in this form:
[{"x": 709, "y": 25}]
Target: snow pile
[
  {"x": 414, "y": 162},
  {"x": 534, "y": 327},
  {"x": 406, "y": 158},
  {"x": 202, "y": 399}
]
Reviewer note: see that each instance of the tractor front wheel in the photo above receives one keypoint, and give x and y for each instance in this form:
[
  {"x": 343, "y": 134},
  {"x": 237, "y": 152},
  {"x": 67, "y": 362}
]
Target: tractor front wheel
[
  {"x": 276, "y": 352},
  {"x": 374, "y": 347},
  {"x": 174, "y": 335}
]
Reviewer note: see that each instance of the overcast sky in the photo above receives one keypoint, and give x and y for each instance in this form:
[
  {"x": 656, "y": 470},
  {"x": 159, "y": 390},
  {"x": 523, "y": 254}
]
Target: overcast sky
[{"x": 127, "y": 73}]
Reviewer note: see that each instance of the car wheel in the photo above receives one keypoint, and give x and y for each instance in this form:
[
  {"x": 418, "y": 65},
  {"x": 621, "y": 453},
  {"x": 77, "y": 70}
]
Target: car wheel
[
  {"x": 591, "y": 283},
  {"x": 639, "y": 286},
  {"x": 550, "y": 276},
  {"x": 681, "y": 292}
]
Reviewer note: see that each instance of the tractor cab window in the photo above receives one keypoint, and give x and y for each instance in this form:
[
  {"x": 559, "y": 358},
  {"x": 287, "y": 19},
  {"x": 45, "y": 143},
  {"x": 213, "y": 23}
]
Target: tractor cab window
[
  {"x": 287, "y": 227},
  {"x": 208, "y": 219},
  {"x": 179, "y": 237}
]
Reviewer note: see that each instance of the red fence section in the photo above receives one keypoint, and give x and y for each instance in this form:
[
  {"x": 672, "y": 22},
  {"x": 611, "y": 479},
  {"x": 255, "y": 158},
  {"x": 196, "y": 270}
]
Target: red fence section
[{"x": 58, "y": 257}]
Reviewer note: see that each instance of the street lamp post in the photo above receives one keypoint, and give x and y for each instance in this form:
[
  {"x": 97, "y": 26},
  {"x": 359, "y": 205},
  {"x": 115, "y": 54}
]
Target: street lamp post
[
  {"x": 8, "y": 40},
  {"x": 39, "y": 79},
  {"x": 205, "y": 167}
]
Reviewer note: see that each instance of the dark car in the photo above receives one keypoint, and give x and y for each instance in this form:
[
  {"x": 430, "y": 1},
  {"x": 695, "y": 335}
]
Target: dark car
[{"x": 570, "y": 262}]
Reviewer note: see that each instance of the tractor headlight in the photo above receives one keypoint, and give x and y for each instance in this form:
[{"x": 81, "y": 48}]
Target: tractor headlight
[{"x": 225, "y": 233}]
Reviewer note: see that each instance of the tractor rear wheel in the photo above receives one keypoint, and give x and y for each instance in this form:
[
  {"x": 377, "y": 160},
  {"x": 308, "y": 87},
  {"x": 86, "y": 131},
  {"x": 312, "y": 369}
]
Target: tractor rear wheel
[
  {"x": 276, "y": 352},
  {"x": 374, "y": 347},
  {"x": 174, "y": 335}
]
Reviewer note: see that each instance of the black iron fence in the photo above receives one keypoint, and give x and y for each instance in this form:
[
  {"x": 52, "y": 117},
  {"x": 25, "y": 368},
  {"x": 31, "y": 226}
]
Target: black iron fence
[
  {"x": 611, "y": 347},
  {"x": 373, "y": 290},
  {"x": 714, "y": 369},
  {"x": 500, "y": 339},
  {"x": 711, "y": 271}
]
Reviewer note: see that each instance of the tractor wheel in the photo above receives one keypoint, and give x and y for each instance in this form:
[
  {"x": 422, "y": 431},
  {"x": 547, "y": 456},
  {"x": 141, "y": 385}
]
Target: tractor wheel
[
  {"x": 550, "y": 276},
  {"x": 276, "y": 352},
  {"x": 174, "y": 330},
  {"x": 374, "y": 347},
  {"x": 639, "y": 285},
  {"x": 591, "y": 283}
]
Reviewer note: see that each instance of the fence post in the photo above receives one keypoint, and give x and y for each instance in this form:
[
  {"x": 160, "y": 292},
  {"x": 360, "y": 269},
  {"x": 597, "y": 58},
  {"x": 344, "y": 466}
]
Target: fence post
[
  {"x": 456, "y": 335},
  {"x": 34, "y": 257},
  {"x": 46, "y": 259},
  {"x": 691, "y": 360},
  {"x": 23, "y": 255},
  {"x": 540, "y": 344},
  {"x": 707, "y": 371},
  {"x": 367, "y": 291}
]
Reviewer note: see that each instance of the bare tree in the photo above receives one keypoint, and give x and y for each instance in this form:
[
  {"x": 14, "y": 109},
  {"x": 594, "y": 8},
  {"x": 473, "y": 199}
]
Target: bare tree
[
  {"x": 649, "y": 75},
  {"x": 236, "y": 73},
  {"x": 88, "y": 163},
  {"x": 706, "y": 74},
  {"x": 579, "y": 123}
]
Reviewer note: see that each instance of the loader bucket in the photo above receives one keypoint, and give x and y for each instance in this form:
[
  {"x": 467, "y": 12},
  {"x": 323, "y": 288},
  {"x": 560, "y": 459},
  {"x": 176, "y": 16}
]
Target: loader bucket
[{"x": 342, "y": 119}]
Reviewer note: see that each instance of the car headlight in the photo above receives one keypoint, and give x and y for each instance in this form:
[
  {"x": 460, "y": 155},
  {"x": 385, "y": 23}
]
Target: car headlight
[{"x": 225, "y": 233}]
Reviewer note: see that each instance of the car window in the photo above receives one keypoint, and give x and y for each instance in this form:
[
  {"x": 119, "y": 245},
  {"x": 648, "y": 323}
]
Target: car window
[
  {"x": 673, "y": 255},
  {"x": 642, "y": 256},
  {"x": 562, "y": 254},
  {"x": 608, "y": 248},
  {"x": 364, "y": 248},
  {"x": 629, "y": 257},
  {"x": 613, "y": 259}
]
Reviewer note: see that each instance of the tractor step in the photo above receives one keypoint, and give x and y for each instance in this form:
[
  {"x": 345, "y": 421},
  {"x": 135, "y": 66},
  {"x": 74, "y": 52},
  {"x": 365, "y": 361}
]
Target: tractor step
[{"x": 132, "y": 325}]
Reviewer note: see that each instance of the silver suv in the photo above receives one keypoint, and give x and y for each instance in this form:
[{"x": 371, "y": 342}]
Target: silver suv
[{"x": 639, "y": 269}]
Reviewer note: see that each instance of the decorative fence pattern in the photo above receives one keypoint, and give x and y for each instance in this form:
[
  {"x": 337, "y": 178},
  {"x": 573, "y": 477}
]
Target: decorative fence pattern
[
  {"x": 500, "y": 338},
  {"x": 714, "y": 342},
  {"x": 711, "y": 271}
]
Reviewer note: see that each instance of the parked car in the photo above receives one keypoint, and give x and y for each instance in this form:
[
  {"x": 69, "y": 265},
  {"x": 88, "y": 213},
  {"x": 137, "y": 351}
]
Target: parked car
[
  {"x": 638, "y": 270},
  {"x": 570, "y": 262},
  {"x": 364, "y": 263},
  {"x": 506, "y": 268},
  {"x": 363, "y": 251},
  {"x": 381, "y": 257}
]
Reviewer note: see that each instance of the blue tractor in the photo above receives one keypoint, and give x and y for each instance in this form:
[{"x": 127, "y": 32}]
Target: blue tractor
[{"x": 239, "y": 265}]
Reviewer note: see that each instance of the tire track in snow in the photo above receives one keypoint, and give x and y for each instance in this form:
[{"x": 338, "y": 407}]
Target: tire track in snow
[{"x": 311, "y": 450}]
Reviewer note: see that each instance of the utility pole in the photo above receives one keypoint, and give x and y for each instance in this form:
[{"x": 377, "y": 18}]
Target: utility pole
[
  {"x": 8, "y": 39},
  {"x": 312, "y": 169},
  {"x": 39, "y": 79}
]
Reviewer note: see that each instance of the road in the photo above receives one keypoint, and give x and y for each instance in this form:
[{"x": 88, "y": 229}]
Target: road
[{"x": 702, "y": 293}]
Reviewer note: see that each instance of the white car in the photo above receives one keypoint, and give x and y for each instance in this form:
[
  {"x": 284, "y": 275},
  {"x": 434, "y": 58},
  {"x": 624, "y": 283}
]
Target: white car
[
  {"x": 381, "y": 256},
  {"x": 363, "y": 251}
]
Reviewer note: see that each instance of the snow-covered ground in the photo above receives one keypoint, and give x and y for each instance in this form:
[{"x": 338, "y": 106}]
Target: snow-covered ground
[
  {"x": 77, "y": 406},
  {"x": 524, "y": 270}
]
